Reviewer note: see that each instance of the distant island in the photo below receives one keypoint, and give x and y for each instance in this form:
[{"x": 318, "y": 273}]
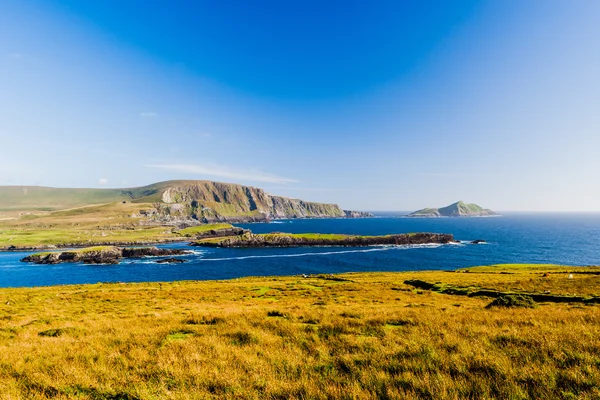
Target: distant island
[{"x": 458, "y": 209}]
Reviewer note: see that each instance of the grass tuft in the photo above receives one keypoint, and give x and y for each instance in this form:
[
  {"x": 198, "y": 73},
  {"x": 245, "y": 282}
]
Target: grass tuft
[{"x": 512, "y": 300}]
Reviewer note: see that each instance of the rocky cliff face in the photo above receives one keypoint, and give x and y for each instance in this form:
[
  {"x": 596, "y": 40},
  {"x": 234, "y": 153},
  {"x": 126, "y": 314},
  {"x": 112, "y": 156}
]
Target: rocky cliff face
[
  {"x": 206, "y": 202},
  {"x": 357, "y": 214},
  {"x": 458, "y": 209}
]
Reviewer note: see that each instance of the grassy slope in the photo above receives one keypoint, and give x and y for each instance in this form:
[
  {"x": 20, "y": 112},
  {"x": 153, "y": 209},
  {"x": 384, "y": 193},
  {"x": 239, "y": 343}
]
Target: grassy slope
[
  {"x": 107, "y": 223},
  {"x": 45, "y": 198},
  {"x": 349, "y": 336},
  {"x": 27, "y": 198}
]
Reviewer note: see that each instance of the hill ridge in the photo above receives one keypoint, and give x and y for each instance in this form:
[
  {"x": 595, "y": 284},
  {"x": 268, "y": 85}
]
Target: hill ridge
[
  {"x": 176, "y": 202},
  {"x": 457, "y": 209}
]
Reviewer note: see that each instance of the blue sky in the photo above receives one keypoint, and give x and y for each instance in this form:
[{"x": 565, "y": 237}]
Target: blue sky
[{"x": 372, "y": 105}]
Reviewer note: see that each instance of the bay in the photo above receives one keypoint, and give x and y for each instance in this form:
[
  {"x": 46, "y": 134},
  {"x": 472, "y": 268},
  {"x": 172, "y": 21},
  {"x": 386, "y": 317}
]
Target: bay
[{"x": 562, "y": 238}]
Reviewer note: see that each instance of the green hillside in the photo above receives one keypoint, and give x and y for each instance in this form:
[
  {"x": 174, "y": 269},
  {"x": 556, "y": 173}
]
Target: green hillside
[{"x": 41, "y": 198}]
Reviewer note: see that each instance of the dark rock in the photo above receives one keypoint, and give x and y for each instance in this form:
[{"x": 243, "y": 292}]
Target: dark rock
[
  {"x": 478, "y": 241},
  {"x": 171, "y": 260},
  {"x": 357, "y": 214},
  {"x": 139, "y": 252},
  {"x": 221, "y": 233},
  {"x": 105, "y": 255}
]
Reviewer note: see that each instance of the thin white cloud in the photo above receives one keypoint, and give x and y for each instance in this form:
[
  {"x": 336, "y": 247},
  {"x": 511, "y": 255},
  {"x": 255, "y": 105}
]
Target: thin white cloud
[
  {"x": 455, "y": 174},
  {"x": 224, "y": 172},
  {"x": 148, "y": 114},
  {"x": 15, "y": 56},
  {"x": 319, "y": 189},
  {"x": 103, "y": 181}
]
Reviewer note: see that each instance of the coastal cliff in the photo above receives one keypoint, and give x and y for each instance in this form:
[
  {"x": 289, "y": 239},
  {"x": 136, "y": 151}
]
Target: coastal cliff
[
  {"x": 169, "y": 203},
  {"x": 458, "y": 209},
  {"x": 208, "y": 202}
]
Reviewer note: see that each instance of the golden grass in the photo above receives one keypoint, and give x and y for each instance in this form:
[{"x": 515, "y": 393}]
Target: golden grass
[{"x": 351, "y": 336}]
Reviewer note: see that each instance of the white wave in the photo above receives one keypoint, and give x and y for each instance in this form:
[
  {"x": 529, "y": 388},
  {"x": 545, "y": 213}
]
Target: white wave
[
  {"x": 328, "y": 253},
  {"x": 294, "y": 255}
]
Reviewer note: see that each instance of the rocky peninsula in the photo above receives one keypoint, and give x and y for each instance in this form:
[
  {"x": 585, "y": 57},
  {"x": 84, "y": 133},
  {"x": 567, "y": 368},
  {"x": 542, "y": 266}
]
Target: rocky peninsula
[{"x": 295, "y": 240}]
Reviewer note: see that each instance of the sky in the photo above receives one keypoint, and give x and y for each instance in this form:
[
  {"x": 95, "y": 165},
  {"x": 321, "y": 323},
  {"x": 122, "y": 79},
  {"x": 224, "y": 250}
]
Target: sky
[{"x": 373, "y": 105}]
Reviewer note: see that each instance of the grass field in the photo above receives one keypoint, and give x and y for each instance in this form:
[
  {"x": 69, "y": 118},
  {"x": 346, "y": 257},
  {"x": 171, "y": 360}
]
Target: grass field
[
  {"x": 113, "y": 223},
  {"x": 349, "y": 336}
]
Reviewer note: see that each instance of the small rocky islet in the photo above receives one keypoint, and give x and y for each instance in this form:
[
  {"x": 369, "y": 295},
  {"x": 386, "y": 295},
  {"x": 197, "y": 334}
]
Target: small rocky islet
[{"x": 458, "y": 209}]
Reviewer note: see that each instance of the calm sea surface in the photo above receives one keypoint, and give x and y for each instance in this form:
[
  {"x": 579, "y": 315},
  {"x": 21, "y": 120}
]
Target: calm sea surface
[{"x": 572, "y": 239}]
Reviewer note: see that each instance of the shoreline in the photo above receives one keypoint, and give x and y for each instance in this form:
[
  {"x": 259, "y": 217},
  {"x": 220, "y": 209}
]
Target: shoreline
[
  {"x": 339, "y": 276},
  {"x": 57, "y": 247}
]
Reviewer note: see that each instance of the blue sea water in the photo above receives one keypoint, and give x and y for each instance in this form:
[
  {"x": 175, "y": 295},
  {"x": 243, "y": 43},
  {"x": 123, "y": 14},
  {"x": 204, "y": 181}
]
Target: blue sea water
[{"x": 569, "y": 238}]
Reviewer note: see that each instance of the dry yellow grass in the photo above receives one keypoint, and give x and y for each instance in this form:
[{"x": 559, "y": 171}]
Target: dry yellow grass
[{"x": 369, "y": 336}]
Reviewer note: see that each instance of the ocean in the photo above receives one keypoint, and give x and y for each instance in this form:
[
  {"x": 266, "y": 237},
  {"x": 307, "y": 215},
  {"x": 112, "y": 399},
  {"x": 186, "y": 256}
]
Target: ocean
[{"x": 554, "y": 238}]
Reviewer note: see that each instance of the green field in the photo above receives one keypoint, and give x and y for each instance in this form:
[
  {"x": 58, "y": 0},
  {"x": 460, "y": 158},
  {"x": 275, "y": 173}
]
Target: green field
[{"x": 349, "y": 336}]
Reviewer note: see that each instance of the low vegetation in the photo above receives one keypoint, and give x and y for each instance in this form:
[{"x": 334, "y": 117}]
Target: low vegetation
[
  {"x": 280, "y": 239},
  {"x": 111, "y": 224},
  {"x": 317, "y": 337},
  {"x": 200, "y": 229}
]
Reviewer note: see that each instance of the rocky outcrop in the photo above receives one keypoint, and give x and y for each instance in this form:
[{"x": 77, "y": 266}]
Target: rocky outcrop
[
  {"x": 291, "y": 240},
  {"x": 139, "y": 252},
  {"x": 458, "y": 209},
  {"x": 208, "y": 202},
  {"x": 213, "y": 233},
  {"x": 357, "y": 214},
  {"x": 171, "y": 260},
  {"x": 100, "y": 255}
]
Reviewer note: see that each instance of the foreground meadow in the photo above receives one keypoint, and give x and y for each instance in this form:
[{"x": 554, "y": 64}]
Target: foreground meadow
[{"x": 349, "y": 336}]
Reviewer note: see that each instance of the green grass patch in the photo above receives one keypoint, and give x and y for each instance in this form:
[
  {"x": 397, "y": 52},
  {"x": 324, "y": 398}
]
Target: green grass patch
[
  {"x": 512, "y": 300},
  {"x": 194, "y": 230}
]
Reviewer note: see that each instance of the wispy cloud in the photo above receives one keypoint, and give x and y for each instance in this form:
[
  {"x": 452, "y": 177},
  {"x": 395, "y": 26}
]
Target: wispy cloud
[
  {"x": 454, "y": 174},
  {"x": 319, "y": 189},
  {"x": 103, "y": 181},
  {"x": 221, "y": 171},
  {"x": 148, "y": 114},
  {"x": 15, "y": 56}
]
